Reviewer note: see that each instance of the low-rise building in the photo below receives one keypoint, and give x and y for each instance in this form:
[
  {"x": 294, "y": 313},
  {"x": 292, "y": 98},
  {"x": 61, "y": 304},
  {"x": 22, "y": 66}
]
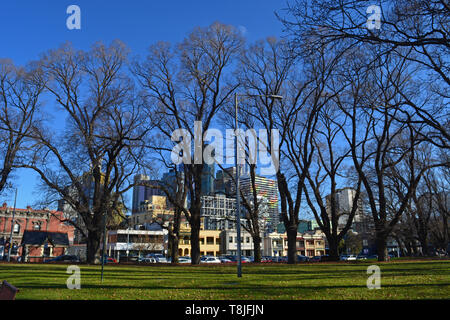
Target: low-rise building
[
  {"x": 229, "y": 243},
  {"x": 128, "y": 242},
  {"x": 308, "y": 243},
  {"x": 37, "y": 246},
  {"x": 29, "y": 219},
  {"x": 209, "y": 241}
]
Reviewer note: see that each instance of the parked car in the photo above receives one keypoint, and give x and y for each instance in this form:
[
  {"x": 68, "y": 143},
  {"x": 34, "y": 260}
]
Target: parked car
[
  {"x": 64, "y": 258},
  {"x": 301, "y": 258},
  {"x": 276, "y": 259},
  {"x": 348, "y": 257},
  {"x": 351, "y": 257},
  {"x": 184, "y": 260},
  {"x": 158, "y": 257},
  {"x": 361, "y": 257},
  {"x": 225, "y": 260},
  {"x": 210, "y": 259},
  {"x": 148, "y": 260},
  {"x": 110, "y": 260},
  {"x": 245, "y": 260},
  {"x": 373, "y": 256},
  {"x": 316, "y": 259},
  {"x": 250, "y": 259},
  {"x": 232, "y": 258}
]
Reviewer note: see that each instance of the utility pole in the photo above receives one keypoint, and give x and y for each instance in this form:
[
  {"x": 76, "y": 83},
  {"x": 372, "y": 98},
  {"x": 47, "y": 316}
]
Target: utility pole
[
  {"x": 12, "y": 226},
  {"x": 238, "y": 199},
  {"x": 104, "y": 243}
]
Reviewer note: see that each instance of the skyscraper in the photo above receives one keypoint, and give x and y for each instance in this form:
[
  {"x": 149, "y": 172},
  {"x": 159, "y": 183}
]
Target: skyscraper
[
  {"x": 224, "y": 182},
  {"x": 267, "y": 193},
  {"x": 143, "y": 190}
]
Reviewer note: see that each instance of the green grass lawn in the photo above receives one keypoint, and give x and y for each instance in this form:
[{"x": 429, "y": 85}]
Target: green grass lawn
[{"x": 399, "y": 280}]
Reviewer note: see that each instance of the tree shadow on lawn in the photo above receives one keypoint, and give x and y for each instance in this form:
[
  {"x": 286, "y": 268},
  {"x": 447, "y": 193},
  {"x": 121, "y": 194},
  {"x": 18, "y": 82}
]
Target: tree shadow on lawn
[{"x": 259, "y": 292}]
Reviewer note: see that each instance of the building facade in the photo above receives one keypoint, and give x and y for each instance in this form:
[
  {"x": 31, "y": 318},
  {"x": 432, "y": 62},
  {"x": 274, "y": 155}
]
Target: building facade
[
  {"x": 210, "y": 241},
  {"x": 229, "y": 243},
  {"x": 29, "y": 219},
  {"x": 143, "y": 191},
  {"x": 309, "y": 243},
  {"x": 128, "y": 242},
  {"x": 218, "y": 212},
  {"x": 267, "y": 195}
]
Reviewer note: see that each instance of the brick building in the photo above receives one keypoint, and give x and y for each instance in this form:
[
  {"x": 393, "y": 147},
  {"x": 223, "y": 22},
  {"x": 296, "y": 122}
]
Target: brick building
[{"x": 29, "y": 219}]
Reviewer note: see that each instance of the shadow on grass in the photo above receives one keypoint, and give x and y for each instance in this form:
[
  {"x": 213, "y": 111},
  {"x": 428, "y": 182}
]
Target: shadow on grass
[{"x": 235, "y": 287}]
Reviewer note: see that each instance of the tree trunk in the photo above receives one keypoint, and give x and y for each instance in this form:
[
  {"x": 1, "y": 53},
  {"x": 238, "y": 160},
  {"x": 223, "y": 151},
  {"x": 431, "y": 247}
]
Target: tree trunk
[
  {"x": 333, "y": 246},
  {"x": 257, "y": 248},
  {"x": 195, "y": 239},
  {"x": 93, "y": 247},
  {"x": 424, "y": 243},
  {"x": 292, "y": 244},
  {"x": 174, "y": 248},
  {"x": 381, "y": 244}
]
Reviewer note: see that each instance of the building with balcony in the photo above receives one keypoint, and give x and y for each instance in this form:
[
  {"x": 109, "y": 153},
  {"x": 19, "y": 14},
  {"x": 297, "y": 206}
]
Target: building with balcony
[
  {"x": 210, "y": 241},
  {"x": 128, "y": 242},
  {"x": 308, "y": 243}
]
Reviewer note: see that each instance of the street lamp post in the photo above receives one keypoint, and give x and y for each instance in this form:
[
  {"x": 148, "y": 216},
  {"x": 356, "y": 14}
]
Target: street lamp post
[
  {"x": 12, "y": 226},
  {"x": 238, "y": 200}
]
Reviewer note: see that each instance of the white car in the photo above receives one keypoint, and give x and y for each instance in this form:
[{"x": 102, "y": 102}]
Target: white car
[
  {"x": 158, "y": 257},
  {"x": 148, "y": 260},
  {"x": 350, "y": 257},
  {"x": 184, "y": 260},
  {"x": 210, "y": 260}
]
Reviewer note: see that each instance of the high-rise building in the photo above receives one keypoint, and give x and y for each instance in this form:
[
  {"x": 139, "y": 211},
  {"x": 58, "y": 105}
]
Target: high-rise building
[
  {"x": 208, "y": 175},
  {"x": 172, "y": 181},
  {"x": 267, "y": 194},
  {"x": 218, "y": 212},
  {"x": 344, "y": 202},
  {"x": 224, "y": 181},
  {"x": 144, "y": 190}
]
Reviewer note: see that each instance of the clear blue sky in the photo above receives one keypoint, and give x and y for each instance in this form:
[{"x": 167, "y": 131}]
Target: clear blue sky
[{"x": 30, "y": 27}]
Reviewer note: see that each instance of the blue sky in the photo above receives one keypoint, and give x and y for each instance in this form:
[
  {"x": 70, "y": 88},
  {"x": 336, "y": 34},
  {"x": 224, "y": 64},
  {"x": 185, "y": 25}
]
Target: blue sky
[{"x": 30, "y": 27}]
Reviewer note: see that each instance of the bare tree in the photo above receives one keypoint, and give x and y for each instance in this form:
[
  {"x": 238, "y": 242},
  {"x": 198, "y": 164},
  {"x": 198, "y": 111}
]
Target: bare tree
[
  {"x": 185, "y": 84},
  {"x": 437, "y": 208},
  {"x": 20, "y": 91},
  {"x": 387, "y": 145},
  {"x": 416, "y": 30},
  {"x": 324, "y": 177},
  {"x": 90, "y": 163},
  {"x": 272, "y": 68}
]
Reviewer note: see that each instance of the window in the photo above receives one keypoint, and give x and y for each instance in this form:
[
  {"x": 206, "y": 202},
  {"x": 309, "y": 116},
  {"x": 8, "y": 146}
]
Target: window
[
  {"x": 230, "y": 239},
  {"x": 248, "y": 239},
  {"x": 210, "y": 240}
]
